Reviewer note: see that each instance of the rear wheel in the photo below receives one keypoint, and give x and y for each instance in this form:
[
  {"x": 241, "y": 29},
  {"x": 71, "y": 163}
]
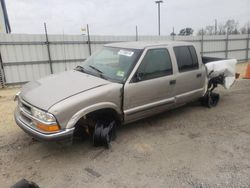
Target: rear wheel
[
  {"x": 210, "y": 99},
  {"x": 213, "y": 100}
]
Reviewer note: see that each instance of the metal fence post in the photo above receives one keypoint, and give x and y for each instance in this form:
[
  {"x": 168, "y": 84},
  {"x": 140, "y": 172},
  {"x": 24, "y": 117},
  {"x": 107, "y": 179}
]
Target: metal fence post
[
  {"x": 2, "y": 74},
  {"x": 1, "y": 79},
  {"x": 173, "y": 34},
  {"x": 226, "y": 44},
  {"x": 248, "y": 40},
  {"x": 89, "y": 44},
  {"x": 202, "y": 41},
  {"x": 48, "y": 48},
  {"x": 136, "y": 33}
]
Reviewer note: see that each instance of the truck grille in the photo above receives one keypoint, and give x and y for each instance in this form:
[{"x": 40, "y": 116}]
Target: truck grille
[
  {"x": 26, "y": 107},
  {"x": 25, "y": 113}
]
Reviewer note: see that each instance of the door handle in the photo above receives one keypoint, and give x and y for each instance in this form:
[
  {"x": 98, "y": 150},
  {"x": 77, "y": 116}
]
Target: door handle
[
  {"x": 198, "y": 75},
  {"x": 172, "y": 82}
]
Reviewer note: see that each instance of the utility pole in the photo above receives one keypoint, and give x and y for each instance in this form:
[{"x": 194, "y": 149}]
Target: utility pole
[
  {"x": 136, "y": 33},
  {"x": 158, "y": 2}
]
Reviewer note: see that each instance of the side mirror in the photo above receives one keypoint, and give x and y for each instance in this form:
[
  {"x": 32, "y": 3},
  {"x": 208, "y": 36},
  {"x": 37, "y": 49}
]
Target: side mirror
[{"x": 137, "y": 77}]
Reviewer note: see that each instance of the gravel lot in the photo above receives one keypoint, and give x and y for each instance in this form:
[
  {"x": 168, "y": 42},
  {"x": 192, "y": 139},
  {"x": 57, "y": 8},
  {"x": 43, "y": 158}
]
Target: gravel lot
[{"x": 191, "y": 146}]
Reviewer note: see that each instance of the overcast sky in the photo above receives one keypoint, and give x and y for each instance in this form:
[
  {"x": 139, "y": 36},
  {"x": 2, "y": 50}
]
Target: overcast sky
[{"x": 119, "y": 17}]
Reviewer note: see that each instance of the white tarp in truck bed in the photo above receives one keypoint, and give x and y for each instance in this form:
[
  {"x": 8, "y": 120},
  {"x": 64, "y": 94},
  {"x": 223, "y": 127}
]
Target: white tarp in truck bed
[{"x": 222, "y": 67}]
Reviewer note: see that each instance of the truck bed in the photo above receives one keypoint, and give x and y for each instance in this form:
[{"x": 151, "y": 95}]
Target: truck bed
[
  {"x": 220, "y": 67},
  {"x": 206, "y": 60}
]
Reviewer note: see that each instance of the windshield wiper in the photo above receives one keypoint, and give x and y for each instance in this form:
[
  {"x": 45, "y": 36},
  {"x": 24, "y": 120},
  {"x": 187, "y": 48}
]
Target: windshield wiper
[
  {"x": 80, "y": 68},
  {"x": 99, "y": 71},
  {"x": 96, "y": 69}
]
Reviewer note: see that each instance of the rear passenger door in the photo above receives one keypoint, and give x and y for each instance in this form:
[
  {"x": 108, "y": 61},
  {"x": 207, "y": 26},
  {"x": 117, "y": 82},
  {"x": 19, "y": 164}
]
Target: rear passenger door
[
  {"x": 150, "y": 88},
  {"x": 191, "y": 74}
]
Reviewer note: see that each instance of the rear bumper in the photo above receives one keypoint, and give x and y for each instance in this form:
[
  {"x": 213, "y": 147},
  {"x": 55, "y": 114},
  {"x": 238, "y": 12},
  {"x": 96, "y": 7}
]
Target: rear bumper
[{"x": 63, "y": 135}]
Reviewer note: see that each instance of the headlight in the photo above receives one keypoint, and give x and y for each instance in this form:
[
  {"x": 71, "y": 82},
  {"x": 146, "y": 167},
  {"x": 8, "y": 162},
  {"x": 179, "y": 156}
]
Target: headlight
[
  {"x": 47, "y": 121},
  {"x": 41, "y": 115}
]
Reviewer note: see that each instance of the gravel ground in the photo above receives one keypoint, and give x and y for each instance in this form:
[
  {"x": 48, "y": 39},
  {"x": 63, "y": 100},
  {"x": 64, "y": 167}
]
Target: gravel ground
[{"x": 191, "y": 146}]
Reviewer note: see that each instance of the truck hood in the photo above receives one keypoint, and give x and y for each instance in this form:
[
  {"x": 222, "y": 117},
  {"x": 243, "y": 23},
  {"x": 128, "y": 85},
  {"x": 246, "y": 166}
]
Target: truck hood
[{"x": 46, "y": 92}]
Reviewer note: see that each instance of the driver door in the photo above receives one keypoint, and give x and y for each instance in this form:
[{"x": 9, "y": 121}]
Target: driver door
[{"x": 151, "y": 85}]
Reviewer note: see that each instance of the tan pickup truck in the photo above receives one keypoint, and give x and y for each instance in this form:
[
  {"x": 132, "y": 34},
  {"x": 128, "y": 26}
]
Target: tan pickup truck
[{"x": 119, "y": 84}]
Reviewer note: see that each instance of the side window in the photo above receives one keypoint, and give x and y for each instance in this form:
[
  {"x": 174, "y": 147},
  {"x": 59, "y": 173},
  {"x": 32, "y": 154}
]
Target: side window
[
  {"x": 156, "y": 63},
  {"x": 186, "y": 58},
  {"x": 194, "y": 56}
]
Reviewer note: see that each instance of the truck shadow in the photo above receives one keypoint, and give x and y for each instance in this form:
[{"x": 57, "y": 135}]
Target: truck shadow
[
  {"x": 164, "y": 119},
  {"x": 157, "y": 124}
]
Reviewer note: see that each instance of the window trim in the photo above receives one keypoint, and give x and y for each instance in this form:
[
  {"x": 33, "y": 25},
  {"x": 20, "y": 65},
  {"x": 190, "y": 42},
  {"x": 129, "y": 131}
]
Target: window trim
[
  {"x": 141, "y": 61},
  {"x": 190, "y": 69}
]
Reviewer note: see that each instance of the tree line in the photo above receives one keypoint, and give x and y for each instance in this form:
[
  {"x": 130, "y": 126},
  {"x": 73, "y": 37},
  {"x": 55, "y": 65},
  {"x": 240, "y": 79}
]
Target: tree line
[{"x": 230, "y": 26}]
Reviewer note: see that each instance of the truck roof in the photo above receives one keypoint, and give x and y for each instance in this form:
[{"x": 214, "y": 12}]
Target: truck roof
[{"x": 144, "y": 44}]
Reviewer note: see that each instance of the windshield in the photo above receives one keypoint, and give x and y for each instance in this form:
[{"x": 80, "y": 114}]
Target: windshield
[{"x": 112, "y": 63}]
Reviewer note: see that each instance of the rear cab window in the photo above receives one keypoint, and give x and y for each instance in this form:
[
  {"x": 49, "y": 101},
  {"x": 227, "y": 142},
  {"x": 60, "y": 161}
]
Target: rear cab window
[{"x": 186, "y": 58}]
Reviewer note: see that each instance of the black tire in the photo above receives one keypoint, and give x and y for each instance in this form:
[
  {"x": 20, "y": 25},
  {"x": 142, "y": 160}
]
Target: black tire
[
  {"x": 97, "y": 135},
  {"x": 103, "y": 133},
  {"x": 210, "y": 99},
  {"x": 213, "y": 100}
]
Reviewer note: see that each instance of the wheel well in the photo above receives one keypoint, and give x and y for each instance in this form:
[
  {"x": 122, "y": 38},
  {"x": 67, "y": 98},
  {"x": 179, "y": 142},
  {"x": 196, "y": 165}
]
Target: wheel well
[
  {"x": 106, "y": 113},
  {"x": 87, "y": 122}
]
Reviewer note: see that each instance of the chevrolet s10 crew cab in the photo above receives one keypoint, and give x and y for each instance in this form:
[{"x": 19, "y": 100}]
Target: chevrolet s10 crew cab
[{"x": 121, "y": 83}]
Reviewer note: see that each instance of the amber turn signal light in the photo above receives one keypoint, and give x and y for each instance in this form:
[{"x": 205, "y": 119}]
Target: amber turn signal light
[{"x": 48, "y": 128}]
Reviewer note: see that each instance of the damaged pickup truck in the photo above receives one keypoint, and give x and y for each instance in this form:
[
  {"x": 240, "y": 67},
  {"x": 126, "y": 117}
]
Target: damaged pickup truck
[{"x": 119, "y": 84}]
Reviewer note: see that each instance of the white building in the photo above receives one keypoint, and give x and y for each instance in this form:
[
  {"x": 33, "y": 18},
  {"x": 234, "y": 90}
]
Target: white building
[{"x": 4, "y": 20}]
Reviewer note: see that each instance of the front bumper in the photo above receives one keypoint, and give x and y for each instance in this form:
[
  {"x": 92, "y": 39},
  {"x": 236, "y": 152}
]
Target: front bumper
[{"x": 63, "y": 135}]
